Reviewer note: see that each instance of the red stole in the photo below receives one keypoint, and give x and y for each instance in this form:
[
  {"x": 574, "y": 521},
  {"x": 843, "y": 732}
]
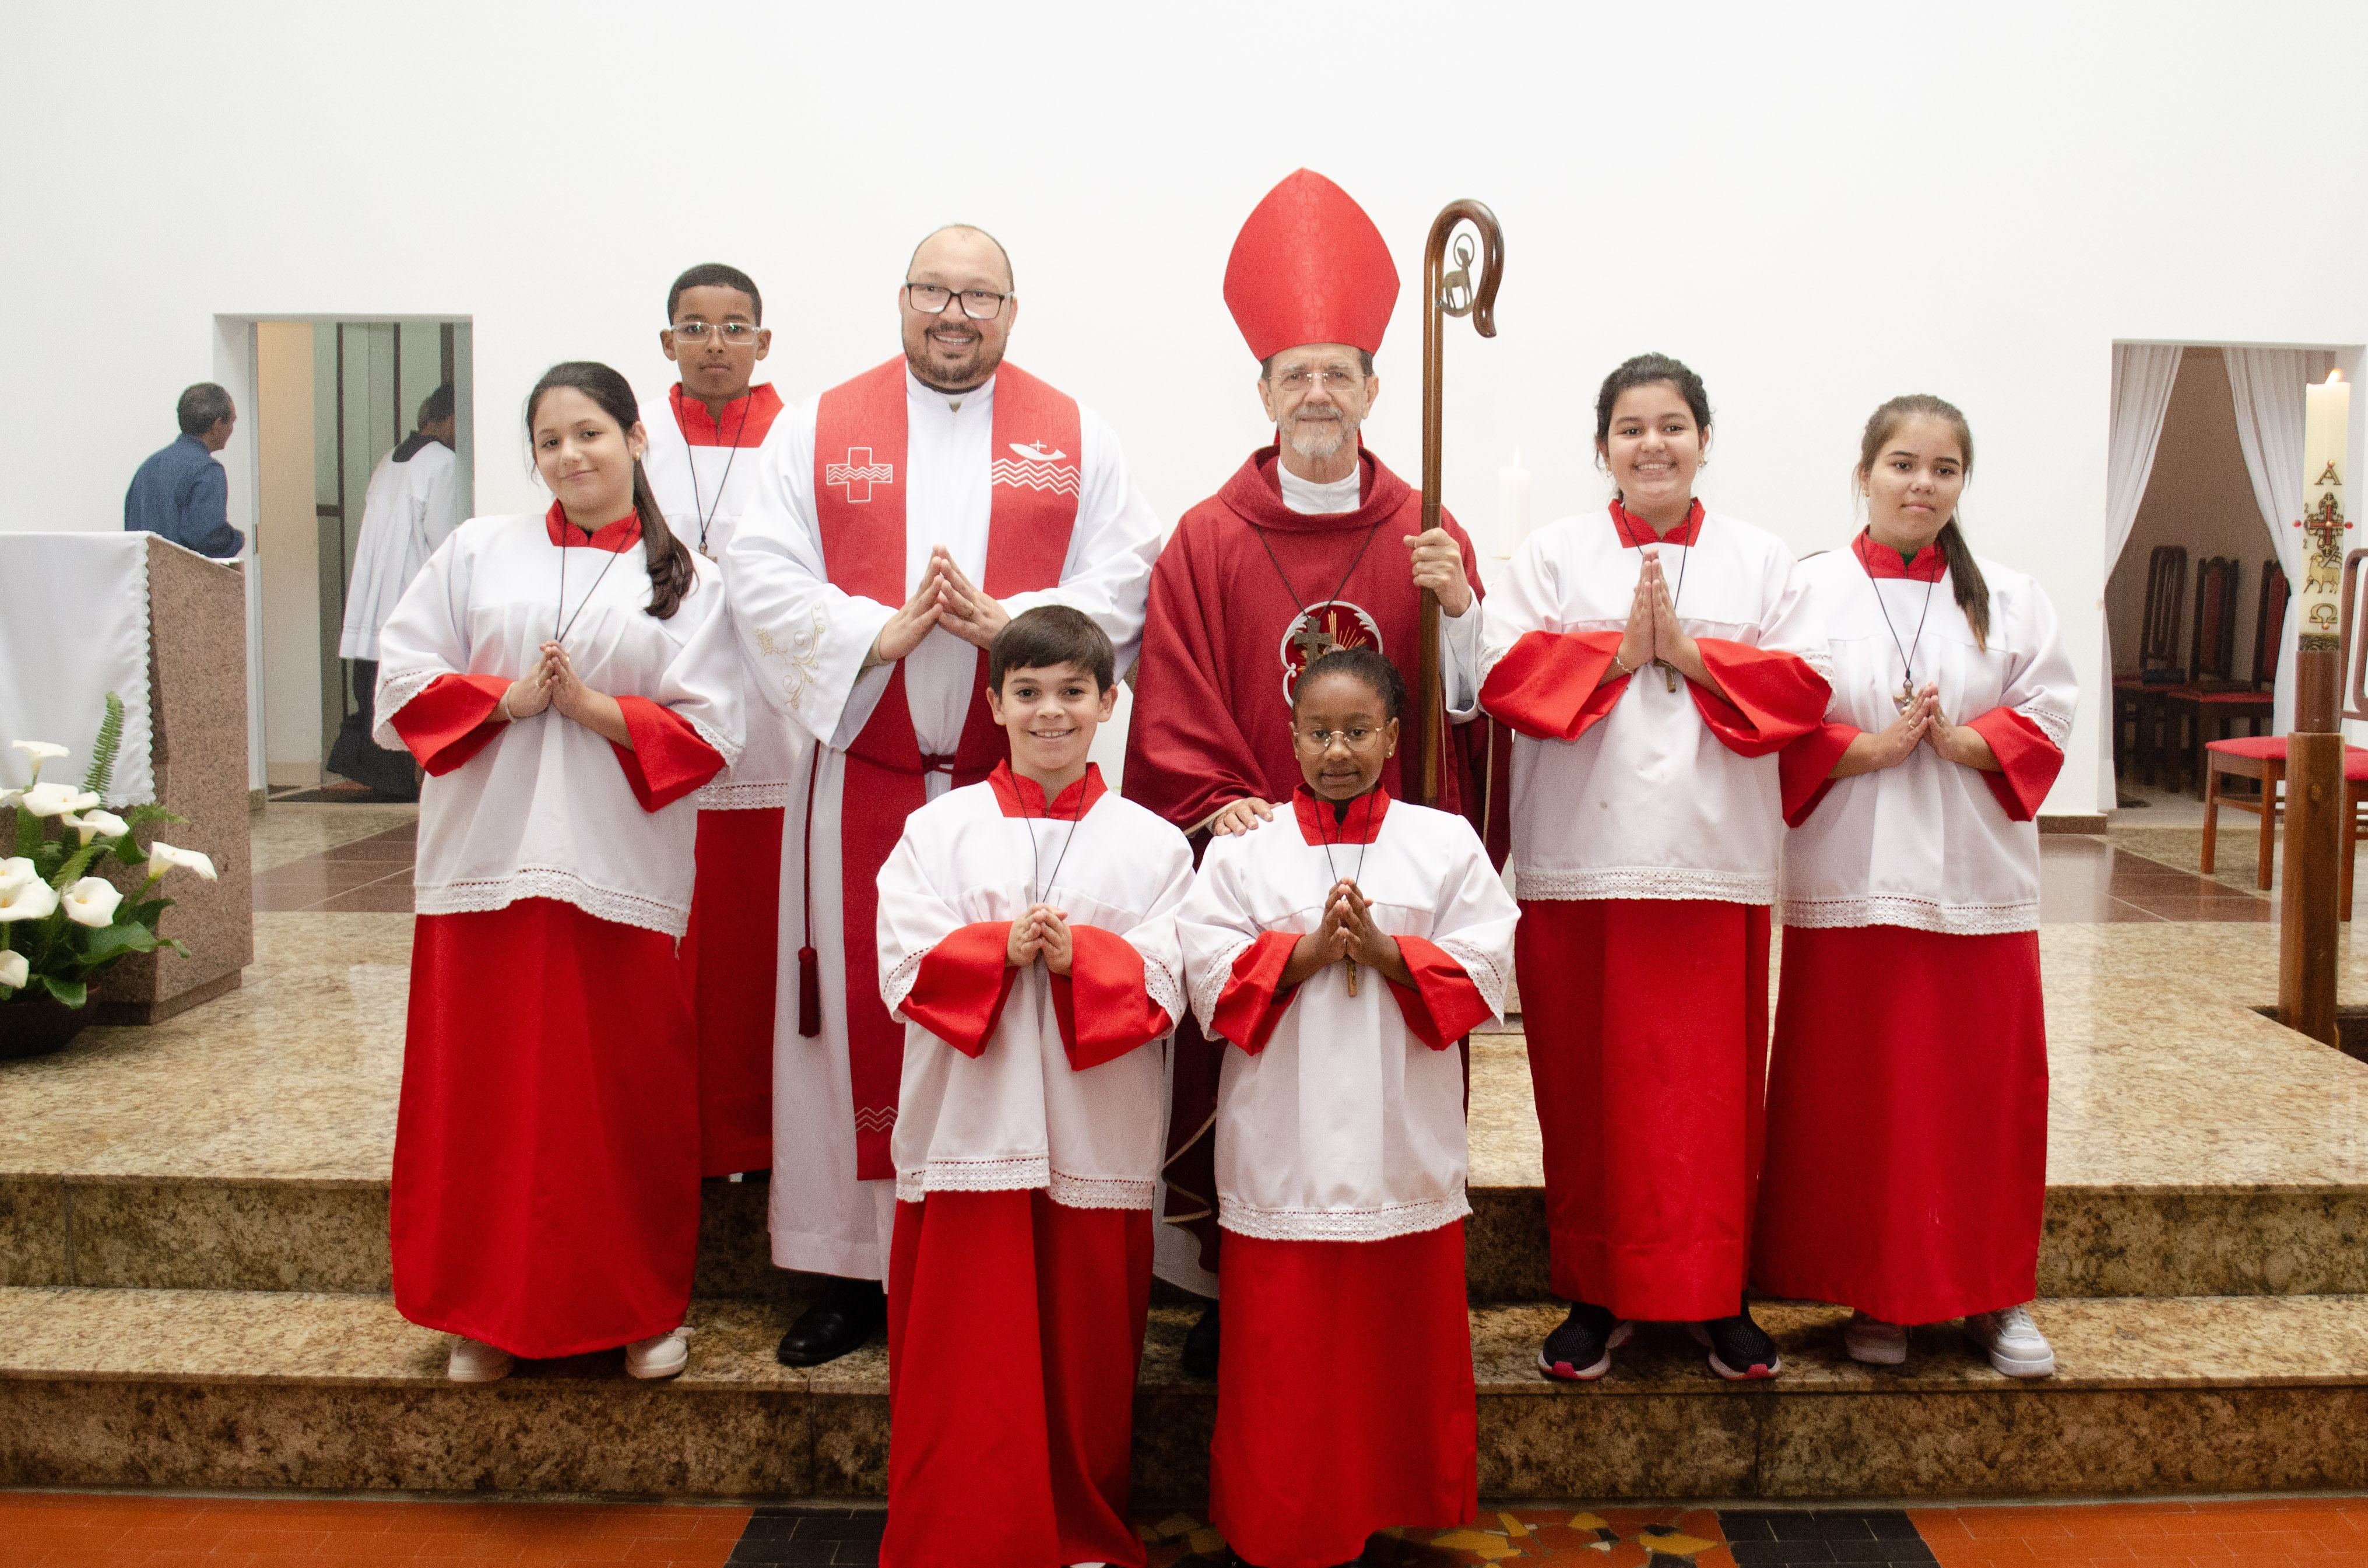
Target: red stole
[{"x": 860, "y": 484}]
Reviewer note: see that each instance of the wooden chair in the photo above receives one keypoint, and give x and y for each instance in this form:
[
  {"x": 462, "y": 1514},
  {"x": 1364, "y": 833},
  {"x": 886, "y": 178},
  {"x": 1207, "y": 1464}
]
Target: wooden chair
[
  {"x": 2157, "y": 647},
  {"x": 2211, "y": 665},
  {"x": 2207, "y": 707},
  {"x": 2263, "y": 757}
]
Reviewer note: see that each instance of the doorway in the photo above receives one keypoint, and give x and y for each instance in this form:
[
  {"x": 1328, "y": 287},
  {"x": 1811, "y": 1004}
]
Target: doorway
[{"x": 334, "y": 399}]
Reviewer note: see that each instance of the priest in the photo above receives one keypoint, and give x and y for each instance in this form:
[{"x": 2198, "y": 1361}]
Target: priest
[
  {"x": 1313, "y": 544},
  {"x": 707, "y": 438},
  {"x": 903, "y": 516}
]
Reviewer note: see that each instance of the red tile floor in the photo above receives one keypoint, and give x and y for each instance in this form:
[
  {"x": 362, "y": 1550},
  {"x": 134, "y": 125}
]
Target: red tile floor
[{"x": 55, "y": 1529}]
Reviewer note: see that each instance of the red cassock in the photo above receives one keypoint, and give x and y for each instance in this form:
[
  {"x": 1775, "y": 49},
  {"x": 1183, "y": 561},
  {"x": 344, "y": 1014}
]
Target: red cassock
[
  {"x": 546, "y": 1177},
  {"x": 1226, "y": 640},
  {"x": 1907, "y": 1090},
  {"x": 1646, "y": 820}
]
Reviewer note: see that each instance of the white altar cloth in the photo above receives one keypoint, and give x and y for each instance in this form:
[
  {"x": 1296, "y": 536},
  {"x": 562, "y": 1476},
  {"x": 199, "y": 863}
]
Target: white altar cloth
[{"x": 73, "y": 626}]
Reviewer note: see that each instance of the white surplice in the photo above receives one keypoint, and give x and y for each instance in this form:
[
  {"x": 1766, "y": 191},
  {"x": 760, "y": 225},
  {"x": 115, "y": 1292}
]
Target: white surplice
[
  {"x": 1347, "y": 1126},
  {"x": 715, "y": 484},
  {"x": 808, "y": 640},
  {"x": 410, "y": 509},
  {"x": 1925, "y": 844},
  {"x": 544, "y": 810},
  {"x": 1648, "y": 803},
  {"x": 1018, "y": 1116}
]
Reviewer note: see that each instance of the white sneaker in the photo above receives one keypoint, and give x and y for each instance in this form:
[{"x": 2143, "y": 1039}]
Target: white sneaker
[
  {"x": 1875, "y": 1342},
  {"x": 474, "y": 1362},
  {"x": 2014, "y": 1343},
  {"x": 660, "y": 1355}
]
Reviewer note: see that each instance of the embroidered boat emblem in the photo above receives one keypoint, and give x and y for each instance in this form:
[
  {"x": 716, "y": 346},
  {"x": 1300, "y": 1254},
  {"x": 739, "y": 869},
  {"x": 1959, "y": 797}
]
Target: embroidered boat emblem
[
  {"x": 1035, "y": 469},
  {"x": 859, "y": 474}
]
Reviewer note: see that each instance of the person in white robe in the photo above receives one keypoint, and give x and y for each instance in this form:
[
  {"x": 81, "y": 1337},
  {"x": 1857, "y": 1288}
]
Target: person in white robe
[
  {"x": 905, "y": 516},
  {"x": 709, "y": 437},
  {"x": 412, "y": 505},
  {"x": 1344, "y": 950}
]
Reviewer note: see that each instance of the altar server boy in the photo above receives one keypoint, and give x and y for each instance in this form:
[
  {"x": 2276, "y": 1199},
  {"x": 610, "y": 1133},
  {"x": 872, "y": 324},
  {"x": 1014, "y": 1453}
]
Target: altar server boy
[
  {"x": 1027, "y": 938},
  {"x": 1345, "y": 950}
]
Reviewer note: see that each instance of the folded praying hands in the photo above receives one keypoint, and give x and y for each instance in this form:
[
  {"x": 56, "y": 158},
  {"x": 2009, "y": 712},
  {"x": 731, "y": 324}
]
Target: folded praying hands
[
  {"x": 1347, "y": 934},
  {"x": 946, "y": 598},
  {"x": 1042, "y": 932},
  {"x": 553, "y": 683}
]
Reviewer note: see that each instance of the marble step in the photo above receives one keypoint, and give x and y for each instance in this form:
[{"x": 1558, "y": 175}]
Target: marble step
[
  {"x": 222, "y": 1389},
  {"x": 307, "y": 1233}
]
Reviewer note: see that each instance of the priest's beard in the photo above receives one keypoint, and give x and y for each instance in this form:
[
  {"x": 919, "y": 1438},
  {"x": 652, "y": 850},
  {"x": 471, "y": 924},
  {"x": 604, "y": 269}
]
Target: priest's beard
[
  {"x": 1320, "y": 440},
  {"x": 963, "y": 375}
]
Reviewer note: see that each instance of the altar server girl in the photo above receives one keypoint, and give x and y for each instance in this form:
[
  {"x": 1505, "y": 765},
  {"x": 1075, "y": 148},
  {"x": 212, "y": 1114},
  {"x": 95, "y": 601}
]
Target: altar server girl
[
  {"x": 1027, "y": 939},
  {"x": 1908, "y": 1093},
  {"x": 1343, "y": 950},
  {"x": 568, "y": 680},
  {"x": 1652, "y": 662}
]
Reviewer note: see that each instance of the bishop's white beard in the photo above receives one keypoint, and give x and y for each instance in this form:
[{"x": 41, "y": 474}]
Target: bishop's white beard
[{"x": 1320, "y": 440}]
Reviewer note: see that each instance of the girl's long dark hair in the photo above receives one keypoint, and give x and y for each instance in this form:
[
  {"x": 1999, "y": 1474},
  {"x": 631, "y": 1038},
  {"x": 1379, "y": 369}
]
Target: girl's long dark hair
[
  {"x": 667, "y": 558},
  {"x": 1973, "y": 594}
]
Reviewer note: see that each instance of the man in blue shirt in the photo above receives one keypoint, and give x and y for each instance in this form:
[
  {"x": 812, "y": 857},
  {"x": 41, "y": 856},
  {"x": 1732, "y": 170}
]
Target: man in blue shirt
[{"x": 182, "y": 492}]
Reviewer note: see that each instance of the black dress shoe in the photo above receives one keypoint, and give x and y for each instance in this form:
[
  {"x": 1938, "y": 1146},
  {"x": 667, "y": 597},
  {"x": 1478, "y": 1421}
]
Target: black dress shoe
[
  {"x": 1201, "y": 1347},
  {"x": 841, "y": 1319}
]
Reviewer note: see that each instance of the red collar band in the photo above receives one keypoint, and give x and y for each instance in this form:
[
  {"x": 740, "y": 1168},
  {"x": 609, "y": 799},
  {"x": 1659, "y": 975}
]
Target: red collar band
[
  {"x": 1881, "y": 560},
  {"x": 1022, "y": 796},
  {"x": 1634, "y": 530},
  {"x": 1362, "y": 824},
  {"x": 615, "y": 538}
]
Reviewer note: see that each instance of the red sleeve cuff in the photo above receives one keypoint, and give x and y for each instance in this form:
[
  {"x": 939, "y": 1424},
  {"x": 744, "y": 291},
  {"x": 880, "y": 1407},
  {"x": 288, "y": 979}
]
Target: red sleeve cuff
[
  {"x": 2028, "y": 761},
  {"x": 1807, "y": 768},
  {"x": 1442, "y": 1005},
  {"x": 962, "y": 985},
  {"x": 1105, "y": 986},
  {"x": 667, "y": 760},
  {"x": 1254, "y": 999},
  {"x": 452, "y": 720},
  {"x": 1545, "y": 686},
  {"x": 1772, "y": 698}
]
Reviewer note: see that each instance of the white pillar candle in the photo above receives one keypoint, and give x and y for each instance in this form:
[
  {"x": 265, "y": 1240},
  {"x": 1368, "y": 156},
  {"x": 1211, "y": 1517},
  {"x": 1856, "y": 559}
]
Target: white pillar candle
[
  {"x": 1512, "y": 506},
  {"x": 2326, "y": 432}
]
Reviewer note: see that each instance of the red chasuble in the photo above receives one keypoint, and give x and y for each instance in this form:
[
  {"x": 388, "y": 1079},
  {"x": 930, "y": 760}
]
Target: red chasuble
[{"x": 860, "y": 432}]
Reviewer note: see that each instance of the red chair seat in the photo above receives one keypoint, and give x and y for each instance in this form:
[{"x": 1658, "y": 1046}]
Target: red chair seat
[
  {"x": 2258, "y": 747},
  {"x": 2259, "y": 699}
]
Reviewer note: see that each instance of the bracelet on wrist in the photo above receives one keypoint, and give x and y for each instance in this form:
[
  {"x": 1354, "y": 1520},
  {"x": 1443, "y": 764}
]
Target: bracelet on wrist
[{"x": 1622, "y": 665}]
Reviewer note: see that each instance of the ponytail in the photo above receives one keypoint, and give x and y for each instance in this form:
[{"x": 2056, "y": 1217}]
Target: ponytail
[
  {"x": 1966, "y": 580},
  {"x": 1973, "y": 592},
  {"x": 669, "y": 559}
]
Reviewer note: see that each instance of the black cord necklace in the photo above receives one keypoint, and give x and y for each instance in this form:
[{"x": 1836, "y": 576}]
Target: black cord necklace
[
  {"x": 699, "y": 508},
  {"x": 1035, "y": 858},
  {"x": 1907, "y": 651},
  {"x": 1340, "y": 821},
  {"x": 1669, "y": 670},
  {"x": 1315, "y": 638},
  {"x": 558, "y": 632}
]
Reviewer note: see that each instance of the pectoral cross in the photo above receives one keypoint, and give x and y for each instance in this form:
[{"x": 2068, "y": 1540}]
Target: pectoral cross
[{"x": 1312, "y": 641}]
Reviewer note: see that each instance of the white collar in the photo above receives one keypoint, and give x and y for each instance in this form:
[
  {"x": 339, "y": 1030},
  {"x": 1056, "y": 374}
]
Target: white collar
[{"x": 1308, "y": 498}]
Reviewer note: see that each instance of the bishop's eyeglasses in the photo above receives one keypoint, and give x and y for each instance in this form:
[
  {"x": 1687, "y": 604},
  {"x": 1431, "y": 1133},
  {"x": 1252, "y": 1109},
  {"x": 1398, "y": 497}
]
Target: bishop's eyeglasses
[
  {"x": 735, "y": 333},
  {"x": 932, "y": 300}
]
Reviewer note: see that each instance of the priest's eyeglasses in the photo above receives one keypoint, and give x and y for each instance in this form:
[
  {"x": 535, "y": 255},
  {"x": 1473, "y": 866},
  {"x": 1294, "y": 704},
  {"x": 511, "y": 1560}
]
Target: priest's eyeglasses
[
  {"x": 735, "y": 333},
  {"x": 1356, "y": 738},
  {"x": 932, "y": 300}
]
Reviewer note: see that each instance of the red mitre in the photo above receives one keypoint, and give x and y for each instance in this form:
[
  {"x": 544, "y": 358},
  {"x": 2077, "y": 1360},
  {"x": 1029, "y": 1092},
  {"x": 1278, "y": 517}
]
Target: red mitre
[{"x": 1309, "y": 266}]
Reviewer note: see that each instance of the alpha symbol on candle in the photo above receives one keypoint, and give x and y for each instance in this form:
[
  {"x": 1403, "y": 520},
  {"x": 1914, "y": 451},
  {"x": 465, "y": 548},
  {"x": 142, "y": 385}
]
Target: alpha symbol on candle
[{"x": 2328, "y": 476}]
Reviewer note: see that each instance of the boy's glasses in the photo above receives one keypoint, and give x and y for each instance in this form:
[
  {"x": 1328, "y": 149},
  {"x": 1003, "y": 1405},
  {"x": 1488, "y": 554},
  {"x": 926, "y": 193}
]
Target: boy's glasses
[
  {"x": 735, "y": 333},
  {"x": 1357, "y": 738}
]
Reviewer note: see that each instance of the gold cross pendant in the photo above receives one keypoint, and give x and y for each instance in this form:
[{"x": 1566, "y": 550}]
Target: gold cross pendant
[{"x": 1907, "y": 698}]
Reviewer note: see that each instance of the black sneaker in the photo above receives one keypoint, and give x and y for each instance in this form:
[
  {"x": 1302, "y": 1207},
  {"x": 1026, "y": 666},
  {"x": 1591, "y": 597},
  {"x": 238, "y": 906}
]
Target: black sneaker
[
  {"x": 1740, "y": 1349},
  {"x": 1201, "y": 1347},
  {"x": 1580, "y": 1351}
]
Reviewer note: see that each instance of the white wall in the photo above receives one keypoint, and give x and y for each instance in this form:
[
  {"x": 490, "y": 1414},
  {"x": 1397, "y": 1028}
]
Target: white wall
[{"x": 1818, "y": 207}]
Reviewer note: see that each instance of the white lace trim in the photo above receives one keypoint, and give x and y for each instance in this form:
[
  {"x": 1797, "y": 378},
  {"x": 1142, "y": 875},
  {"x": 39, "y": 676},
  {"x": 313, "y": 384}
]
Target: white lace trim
[
  {"x": 1647, "y": 882},
  {"x": 1159, "y": 983},
  {"x": 1819, "y": 659},
  {"x": 1209, "y": 983},
  {"x": 550, "y": 882},
  {"x": 1101, "y": 1192},
  {"x": 729, "y": 750},
  {"x": 1483, "y": 970},
  {"x": 2057, "y": 726},
  {"x": 1915, "y": 913},
  {"x": 394, "y": 693},
  {"x": 899, "y": 981},
  {"x": 1340, "y": 1224},
  {"x": 1017, "y": 1174},
  {"x": 731, "y": 795}
]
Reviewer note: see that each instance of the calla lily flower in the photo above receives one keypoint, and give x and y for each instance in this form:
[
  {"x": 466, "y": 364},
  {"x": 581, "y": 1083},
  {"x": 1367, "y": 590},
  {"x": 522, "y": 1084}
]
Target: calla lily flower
[
  {"x": 55, "y": 799},
  {"x": 91, "y": 823},
  {"x": 92, "y": 901},
  {"x": 40, "y": 752},
  {"x": 162, "y": 857},
  {"x": 15, "y": 970},
  {"x": 15, "y": 871},
  {"x": 31, "y": 899}
]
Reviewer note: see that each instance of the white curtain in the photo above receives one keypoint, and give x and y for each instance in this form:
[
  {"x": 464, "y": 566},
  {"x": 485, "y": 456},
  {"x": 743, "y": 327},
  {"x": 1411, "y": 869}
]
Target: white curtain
[
  {"x": 2267, "y": 384},
  {"x": 2143, "y": 376}
]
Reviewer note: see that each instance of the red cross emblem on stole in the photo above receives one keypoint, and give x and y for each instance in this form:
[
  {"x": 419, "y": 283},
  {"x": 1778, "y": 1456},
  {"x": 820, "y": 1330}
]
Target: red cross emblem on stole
[{"x": 859, "y": 474}]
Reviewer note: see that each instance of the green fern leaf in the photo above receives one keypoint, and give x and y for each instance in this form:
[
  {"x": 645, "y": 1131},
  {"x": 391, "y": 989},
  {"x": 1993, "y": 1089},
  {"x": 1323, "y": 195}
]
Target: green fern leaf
[{"x": 101, "y": 773}]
